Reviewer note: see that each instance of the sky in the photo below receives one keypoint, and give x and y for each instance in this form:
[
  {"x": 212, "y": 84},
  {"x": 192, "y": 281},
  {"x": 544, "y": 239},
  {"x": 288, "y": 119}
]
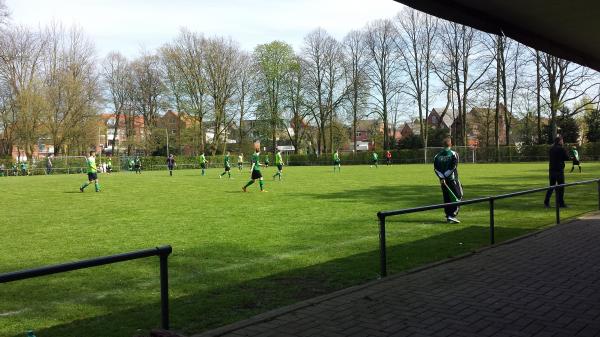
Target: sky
[{"x": 134, "y": 26}]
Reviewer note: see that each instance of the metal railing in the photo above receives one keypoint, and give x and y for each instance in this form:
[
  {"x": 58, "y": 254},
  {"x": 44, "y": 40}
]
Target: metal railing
[
  {"x": 382, "y": 215},
  {"x": 162, "y": 252}
]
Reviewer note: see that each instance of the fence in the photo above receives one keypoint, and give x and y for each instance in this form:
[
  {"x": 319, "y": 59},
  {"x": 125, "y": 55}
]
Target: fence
[
  {"x": 162, "y": 252},
  {"x": 385, "y": 214}
]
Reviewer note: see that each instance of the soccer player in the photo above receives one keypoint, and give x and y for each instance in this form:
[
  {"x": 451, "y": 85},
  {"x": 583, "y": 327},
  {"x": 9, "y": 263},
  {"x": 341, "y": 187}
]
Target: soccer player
[
  {"x": 445, "y": 165},
  {"x": 92, "y": 172},
  {"x": 109, "y": 165},
  {"x": 241, "y": 161},
  {"x": 137, "y": 165},
  {"x": 575, "y": 158},
  {"x": 24, "y": 168},
  {"x": 256, "y": 174},
  {"x": 227, "y": 166},
  {"x": 49, "y": 165},
  {"x": 267, "y": 162},
  {"x": 203, "y": 163},
  {"x": 171, "y": 164},
  {"x": 374, "y": 159},
  {"x": 337, "y": 162},
  {"x": 556, "y": 171},
  {"x": 388, "y": 158},
  {"x": 279, "y": 164}
]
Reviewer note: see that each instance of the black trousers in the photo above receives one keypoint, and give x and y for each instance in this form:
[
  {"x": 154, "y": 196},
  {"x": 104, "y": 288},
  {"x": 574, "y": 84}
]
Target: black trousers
[
  {"x": 556, "y": 178},
  {"x": 456, "y": 188}
]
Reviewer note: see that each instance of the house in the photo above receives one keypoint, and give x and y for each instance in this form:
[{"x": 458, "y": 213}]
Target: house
[
  {"x": 42, "y": 149},
  {"x": 111, "y": 140},
  {"x": 443, "y": 118}
]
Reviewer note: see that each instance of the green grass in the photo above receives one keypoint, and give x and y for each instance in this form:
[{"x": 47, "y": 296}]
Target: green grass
[{"x": 237, "y": 254}]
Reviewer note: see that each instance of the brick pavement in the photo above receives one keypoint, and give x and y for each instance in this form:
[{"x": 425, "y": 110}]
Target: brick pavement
[{"x": 544, "y": 285}]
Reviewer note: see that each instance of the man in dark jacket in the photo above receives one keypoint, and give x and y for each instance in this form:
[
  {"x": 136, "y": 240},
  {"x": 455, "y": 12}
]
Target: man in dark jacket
[{"x": 556, "y": 171}]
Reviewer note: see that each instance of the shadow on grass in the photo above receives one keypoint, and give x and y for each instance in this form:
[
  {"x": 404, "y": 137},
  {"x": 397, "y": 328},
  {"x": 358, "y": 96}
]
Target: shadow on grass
[{"x": 217, "y": 306}]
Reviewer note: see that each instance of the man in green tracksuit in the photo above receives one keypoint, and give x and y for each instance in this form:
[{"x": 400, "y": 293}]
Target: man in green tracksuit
[
  {"x": 227, "y": 166},
  {"x": 92, "y": 172},
  {"x": 575, "y": 158},
  {"x": 203, "y": 163},
  {"x": 256, "y": 174},
  {"x": 336, "y": 162},
  {"x": 279, "y": 164},
  {"x": 445, "y": 165}
]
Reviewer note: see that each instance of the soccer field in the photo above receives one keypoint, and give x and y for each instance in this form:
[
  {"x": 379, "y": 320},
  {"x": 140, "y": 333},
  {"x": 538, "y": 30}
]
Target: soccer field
[{"x": 237, "y": 254}]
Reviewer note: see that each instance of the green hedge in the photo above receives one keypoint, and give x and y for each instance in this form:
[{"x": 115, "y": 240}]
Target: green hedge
[{"x": 526, "y": 153}]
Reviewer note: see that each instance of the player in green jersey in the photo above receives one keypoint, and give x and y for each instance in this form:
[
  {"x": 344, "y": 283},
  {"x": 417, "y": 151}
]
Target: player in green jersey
[
  {"x": 575, "y": 158},
  {"x": 337, "y": 162},
  {"x": 227, "y": 166},
  {"x": 374, "y": 159},
  {"x": 256, "y": 174},
  {"x": 92, "y": 172},
  {"x": 445, "y": 165},
  {"x": 267, "y": 161},
  {"x": 203, "y": 163},
  {"x": 279, "y": 164}
]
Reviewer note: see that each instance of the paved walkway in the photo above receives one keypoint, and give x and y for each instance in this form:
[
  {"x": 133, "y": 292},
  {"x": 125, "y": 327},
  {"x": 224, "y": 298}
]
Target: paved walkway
[{"x": 547, "y": 284}]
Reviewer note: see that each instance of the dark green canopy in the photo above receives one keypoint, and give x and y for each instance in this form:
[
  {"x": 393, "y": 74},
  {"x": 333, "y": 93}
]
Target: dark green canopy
[{"x": 567, "y": 29}]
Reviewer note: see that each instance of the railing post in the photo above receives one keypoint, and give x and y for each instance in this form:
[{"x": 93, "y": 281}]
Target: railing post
[
  {"x": 382, "y": 249},
  {"x": 164, "y": 291},
  {"x": 598, "y": 182},
  {"x": 492, "y": 239},
  {"x": 556, "y": 204}
]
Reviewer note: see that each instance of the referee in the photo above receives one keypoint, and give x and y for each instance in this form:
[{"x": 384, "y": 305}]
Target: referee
[{"x": 556, "y": 171}]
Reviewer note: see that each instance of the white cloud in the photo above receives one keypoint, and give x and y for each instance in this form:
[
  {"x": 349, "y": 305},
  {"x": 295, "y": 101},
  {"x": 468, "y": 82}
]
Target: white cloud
[{"x": 130, "y": 25}]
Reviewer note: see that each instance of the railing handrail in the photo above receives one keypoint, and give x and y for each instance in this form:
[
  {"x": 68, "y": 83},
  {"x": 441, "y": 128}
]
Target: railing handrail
[
  {"x": 481, "y": 199},
  {"x": 82, "y": 264},
  {"x": 382, "y": 215},
  {"x": 163, "y": 252}
]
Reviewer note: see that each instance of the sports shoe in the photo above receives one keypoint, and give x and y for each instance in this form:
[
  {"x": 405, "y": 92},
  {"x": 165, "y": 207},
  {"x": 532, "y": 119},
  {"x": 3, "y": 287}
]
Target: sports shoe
[
  {"x": 563, "y": 206},
  {"x": 244, "y": 189},
  {"x": 81, "y": 189},
  {"x": 452, "y": 219},
  {"x": 264, "y": 191},
  {"x": 546, "y": 205}
]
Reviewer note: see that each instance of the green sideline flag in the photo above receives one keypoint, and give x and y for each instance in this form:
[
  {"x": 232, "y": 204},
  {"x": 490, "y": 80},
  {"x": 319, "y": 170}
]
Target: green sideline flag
[{"x": 452, "y": 195}]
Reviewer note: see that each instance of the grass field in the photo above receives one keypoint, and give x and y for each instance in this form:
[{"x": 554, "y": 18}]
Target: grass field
[{"x": 237, "y": 254}]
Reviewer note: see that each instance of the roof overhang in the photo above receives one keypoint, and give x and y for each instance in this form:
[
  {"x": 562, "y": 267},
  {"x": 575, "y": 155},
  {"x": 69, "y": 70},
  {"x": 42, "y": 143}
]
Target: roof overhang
[{"x": 567, "y": 29}]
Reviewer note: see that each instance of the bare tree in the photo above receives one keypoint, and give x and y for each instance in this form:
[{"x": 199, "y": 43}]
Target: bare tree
[
  {"x": 357, "y": 80},
  {"x": 565, "y": 81},
  {"x": 21, "y": 56},
  {"x": 221, "y": 62},
  {"x": 465, "y": 63},
  {"x": 71, "y": 84},
  {"x": 295, "y": 102},
  {"x": 187, "y": 58},
  {"x": 148, "y": 91},
  {"x": 383, "y": 69},
  {"x": 245, "y": 95},
  {"x": 4, "y": 13},
  {"x": 116, "y": 76},
  {"x": 417, "y": 41}
]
